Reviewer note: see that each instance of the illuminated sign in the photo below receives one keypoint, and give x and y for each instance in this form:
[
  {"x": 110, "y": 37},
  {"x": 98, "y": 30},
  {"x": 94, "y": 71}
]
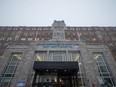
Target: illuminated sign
[{"x": 58, "y": 46}]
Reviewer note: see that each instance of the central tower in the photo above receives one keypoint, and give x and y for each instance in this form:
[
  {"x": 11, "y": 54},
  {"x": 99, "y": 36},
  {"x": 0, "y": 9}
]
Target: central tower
[{"x": 58, "y": 28}]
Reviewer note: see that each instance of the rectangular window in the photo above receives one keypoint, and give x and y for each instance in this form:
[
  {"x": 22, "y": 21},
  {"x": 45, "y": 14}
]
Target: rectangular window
[
  {"x": 9, "y": 38},
  {"x": 76, "y": 56},
  {"x": 103, "y": 69},
  {"x": 30, "y": 39},
  {"x": 23, "y": 39},
  {"x": 9, "y": 70},
  {"x": 57, "y": 56},
  {"x": 40, "y": 56}
]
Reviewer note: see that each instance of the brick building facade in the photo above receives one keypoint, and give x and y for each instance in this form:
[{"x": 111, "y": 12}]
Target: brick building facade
[{"x": 93, "y": 47}]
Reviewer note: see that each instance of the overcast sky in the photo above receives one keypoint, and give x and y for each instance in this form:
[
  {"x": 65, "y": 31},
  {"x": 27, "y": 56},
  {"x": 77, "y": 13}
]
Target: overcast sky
[{"x": 44, "y": 12}]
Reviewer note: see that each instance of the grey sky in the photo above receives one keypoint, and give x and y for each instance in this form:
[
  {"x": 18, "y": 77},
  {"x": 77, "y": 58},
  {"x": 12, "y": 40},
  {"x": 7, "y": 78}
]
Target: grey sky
[{"x": 44, "y": 12}]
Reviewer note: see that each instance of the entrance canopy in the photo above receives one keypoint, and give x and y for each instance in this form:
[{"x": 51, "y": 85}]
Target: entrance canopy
[{"x": 60, "y": 67}]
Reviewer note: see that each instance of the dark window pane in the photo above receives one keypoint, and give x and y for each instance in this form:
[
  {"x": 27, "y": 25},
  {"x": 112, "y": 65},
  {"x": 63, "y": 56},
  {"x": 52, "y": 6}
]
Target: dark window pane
[
  {"x": 108, "y": 81},
  {"x": 10, "y": 69},
  {"x": 103, "y": 68},
  {"x": 8, "y": 75},
  {"x": 100, "y": 63},
  {"x": 99, "y": 59},
  {"x": 104, "y": 74},
  {"x": 6, "y": 80}
]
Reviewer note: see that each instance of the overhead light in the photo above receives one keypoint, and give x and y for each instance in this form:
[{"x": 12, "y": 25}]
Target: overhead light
[
  {"x": 55, "y": 79},
  {"x": 77, "y": 57},
  {"x": 39, "y": 58},
  {"x": 17, "y": 56},
  {"x": 60, "y": 80},
  {"x": 96, "y": 56}
]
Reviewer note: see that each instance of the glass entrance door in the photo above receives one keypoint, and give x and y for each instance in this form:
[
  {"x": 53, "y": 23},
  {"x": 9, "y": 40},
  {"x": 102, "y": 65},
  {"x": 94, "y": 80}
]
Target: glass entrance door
[
  {"x": 55, "y": 80},
  {"x": 55, "y": 74},
  {"x": 64, "y": 81},
  {"x": 47, "y": 81}
]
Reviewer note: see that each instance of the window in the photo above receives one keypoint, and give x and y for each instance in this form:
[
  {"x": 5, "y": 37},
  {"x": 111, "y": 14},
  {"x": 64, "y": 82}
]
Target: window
[
  {"x": 72, "y": 29},
  {"x": 76, "y": 56},
  {"x": 15, "y": 29},
  {"x": 6, "y": 33},
  {"x": 101, "y": 29},
  {"x": 20, "y": 28},
  {"x": 76, "y": 28},
  {"x": 27, "y": 28},
  {"x": 23, "y": 39},
  {"x": 31, "y": 33},
  {"x": 38, "y": 28},
  {"x": 40, "y": 56},
  {"x": 30, "y": 39},
  {"x": 25, "y": 33},
  {"x": 2, "y": 38},
  {"x": 8, "y": 28},
  {"x": 103, "y": 69},
  {"x": 89, "y": 28},
  {"x": 9, "y": 70},
  {"x": 83, "y": 28},
  {"x": 57, "y": 56},
  {"x": 96, "y": 29},
  {"x": 33, "y": 28},
  {"x": 9, "y": 38},
  {"x": 13, "y": 33}
]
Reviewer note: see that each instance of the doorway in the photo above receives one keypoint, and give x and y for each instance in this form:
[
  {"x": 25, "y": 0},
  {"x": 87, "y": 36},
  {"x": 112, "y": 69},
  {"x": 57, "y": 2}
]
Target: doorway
[{"x": 55, "y": 74}]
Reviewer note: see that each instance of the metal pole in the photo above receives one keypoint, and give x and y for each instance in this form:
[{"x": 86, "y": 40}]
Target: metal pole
[{"x": 34, "y": 79}]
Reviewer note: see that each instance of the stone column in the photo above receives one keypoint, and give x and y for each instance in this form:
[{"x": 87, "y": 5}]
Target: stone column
[{"x": 88, "y": 64}]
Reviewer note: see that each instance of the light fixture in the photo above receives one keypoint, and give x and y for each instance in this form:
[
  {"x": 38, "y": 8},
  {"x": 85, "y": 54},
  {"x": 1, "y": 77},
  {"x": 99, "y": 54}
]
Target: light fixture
[
  {"x": 77, "y": 57},
  {"x": 55, "y": 79},
  {"x": 39, "y": 58},
  {"x": 60, "y": 80},
  {"x": 97, "y": 56},
  {"x": 17, "y": 56}
]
